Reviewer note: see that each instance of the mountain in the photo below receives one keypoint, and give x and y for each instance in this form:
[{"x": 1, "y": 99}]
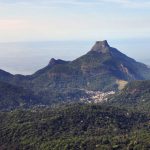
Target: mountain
[
  {"x": 100, "y": 69},
  {"x": 5, "y": 76},
  {"x": 103, "y": 68},
  {"x": 74, "y": 127},
  {"x": 52, "y": 63},
  {"x": 136, "y": 95},
  {"x": 12, "y": 97}
]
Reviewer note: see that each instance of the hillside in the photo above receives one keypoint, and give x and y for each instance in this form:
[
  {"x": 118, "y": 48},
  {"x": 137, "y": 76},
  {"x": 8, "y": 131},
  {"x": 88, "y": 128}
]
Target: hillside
[
  {"x": 74, "y": 127},
  {"x": 98, "y": 70},
  {"x": 136, "y": 94},
  {"x": 12, "y": 97}
]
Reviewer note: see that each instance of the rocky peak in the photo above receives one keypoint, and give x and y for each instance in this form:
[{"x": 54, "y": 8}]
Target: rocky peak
[
  {"x": 53, "y": 62},
  {"x": 101, "y": 46}
]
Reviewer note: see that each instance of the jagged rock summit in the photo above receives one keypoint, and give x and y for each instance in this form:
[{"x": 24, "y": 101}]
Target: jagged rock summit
[
  {"x": 52, "y": 61},
  {"x": 101, "y": 46}
]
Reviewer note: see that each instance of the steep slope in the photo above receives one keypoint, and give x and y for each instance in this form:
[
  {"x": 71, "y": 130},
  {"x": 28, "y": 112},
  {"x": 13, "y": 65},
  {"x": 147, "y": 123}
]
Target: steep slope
[
  {"x": 120, "y": 65},
  {"x": 135, "y": 95},
  {"x": 5, "y": 76},
  {"x": 12, "y": 97},
  {"x": 53, "y": 62},
  {"x": 99, "y": 69}
]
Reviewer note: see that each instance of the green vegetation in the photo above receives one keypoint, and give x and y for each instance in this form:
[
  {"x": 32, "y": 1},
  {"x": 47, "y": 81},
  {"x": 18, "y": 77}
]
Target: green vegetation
[
  {"x": 136, "y": 95},
  {"x": 75, "y": 126},
  {"x": 12, "y": 97}
]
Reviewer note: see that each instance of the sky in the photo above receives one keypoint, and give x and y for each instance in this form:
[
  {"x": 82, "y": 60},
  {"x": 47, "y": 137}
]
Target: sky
[
  {"x": 30, "y": 28},
  {"x": 32, "y": 20}
]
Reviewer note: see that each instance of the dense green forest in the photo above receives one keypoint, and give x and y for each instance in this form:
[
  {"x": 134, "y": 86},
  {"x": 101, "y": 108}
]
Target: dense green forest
[
  {"x": 75, "y": 126},
  {"x": 12, "y": 97},
  {"x": 136, "y": 95},
  {"x": 122, "y": 122}
]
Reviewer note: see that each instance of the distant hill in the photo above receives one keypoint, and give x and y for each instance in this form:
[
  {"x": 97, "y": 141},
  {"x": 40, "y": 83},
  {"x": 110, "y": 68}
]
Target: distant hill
[{"x": 103, "y": 68}]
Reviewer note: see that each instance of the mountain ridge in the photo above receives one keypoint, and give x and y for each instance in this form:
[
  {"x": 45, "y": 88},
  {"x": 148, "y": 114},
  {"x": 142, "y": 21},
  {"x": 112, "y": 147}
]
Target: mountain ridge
[{"x": 103, "y": 68}]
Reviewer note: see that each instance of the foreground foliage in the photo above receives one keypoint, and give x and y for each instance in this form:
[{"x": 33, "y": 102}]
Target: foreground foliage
[{"x": 75, "y": 127}]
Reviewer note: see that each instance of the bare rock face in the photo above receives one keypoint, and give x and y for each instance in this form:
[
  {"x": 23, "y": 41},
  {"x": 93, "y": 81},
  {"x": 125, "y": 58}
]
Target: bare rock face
[{"x": 101, "y": 47}]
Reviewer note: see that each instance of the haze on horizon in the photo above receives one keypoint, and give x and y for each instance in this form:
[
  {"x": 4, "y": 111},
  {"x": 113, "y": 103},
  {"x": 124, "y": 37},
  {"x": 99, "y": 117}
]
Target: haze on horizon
[{"x": 119, "y": 21}]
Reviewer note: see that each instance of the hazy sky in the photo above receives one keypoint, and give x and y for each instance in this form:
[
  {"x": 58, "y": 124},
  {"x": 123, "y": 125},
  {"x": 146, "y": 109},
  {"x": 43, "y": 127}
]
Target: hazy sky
[{"x": 31, "y": 20}]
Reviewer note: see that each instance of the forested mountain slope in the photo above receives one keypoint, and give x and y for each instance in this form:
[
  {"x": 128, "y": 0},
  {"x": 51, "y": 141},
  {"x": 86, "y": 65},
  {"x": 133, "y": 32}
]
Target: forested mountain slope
[{"x": 75, "y": 127}]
